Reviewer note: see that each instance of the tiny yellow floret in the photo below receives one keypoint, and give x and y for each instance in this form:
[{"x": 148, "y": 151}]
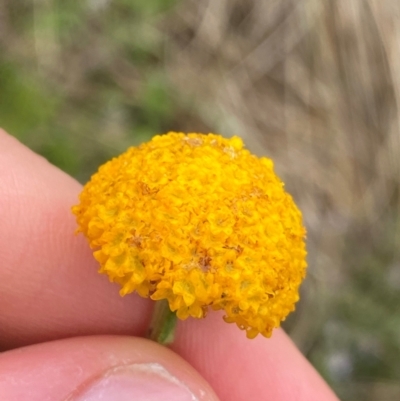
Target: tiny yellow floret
[{"x": 201, "y": 222}]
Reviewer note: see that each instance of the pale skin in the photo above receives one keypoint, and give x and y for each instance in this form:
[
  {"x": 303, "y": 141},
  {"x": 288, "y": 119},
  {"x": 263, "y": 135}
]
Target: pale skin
[{"x": 50, "y": 290}]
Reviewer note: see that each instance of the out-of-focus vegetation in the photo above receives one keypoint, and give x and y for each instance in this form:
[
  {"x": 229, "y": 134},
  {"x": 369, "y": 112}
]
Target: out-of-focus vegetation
[
  {"x": 82, "y": 80},
  {"x": 314, "y": 84}
]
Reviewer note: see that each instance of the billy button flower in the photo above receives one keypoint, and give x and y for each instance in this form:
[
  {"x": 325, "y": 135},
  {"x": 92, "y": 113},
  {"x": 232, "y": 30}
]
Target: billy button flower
[{"x": 199, "y": 223}]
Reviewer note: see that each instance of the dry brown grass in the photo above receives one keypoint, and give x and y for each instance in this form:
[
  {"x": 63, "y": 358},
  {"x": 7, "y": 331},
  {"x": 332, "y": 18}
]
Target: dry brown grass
[{"x": 312, "y": 83}]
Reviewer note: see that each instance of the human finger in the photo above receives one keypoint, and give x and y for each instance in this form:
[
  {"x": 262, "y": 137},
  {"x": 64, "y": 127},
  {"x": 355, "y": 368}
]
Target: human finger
[
  {"x": 241, "y": 369},
  {"x": 49, "y": 286},
  {"x": 106, "y": 368}
]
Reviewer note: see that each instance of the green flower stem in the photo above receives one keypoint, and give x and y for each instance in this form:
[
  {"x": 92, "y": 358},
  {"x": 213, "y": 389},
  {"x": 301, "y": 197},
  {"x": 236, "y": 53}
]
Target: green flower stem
[{"x": 163, "y": 323}]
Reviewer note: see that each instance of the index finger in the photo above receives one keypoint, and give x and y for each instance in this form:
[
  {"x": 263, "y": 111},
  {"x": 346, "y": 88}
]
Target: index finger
[
  {"x": 49, "y": 289},
  {"x": 49, "y": 286}
]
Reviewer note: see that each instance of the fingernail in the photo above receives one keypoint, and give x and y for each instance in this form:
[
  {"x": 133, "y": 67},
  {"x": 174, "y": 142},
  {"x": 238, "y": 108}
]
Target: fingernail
[{"x": 137, "y": 382}]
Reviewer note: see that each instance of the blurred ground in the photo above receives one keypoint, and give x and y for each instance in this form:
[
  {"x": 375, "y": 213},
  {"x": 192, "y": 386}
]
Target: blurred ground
[{"x": 313, "y": 84}]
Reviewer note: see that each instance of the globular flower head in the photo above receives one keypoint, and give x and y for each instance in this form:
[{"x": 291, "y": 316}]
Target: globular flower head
[{"x": 199, "y": 221}]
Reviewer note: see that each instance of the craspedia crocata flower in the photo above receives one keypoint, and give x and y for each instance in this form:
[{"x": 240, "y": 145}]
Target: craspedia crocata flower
[{"x": 201, "y": 222}]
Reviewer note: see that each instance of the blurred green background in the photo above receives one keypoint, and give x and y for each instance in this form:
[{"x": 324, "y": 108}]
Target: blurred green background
[{"x": 313, "y": 84}]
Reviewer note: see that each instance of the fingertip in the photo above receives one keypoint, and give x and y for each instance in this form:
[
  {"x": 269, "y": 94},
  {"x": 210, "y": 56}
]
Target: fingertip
[
  {"x": 100, "y": 368},
  {"x": 49, "y": 285}
]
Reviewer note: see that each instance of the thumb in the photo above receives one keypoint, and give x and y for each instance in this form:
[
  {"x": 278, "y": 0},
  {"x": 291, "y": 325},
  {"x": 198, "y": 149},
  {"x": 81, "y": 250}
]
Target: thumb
[{"x": 106, "y": 368}]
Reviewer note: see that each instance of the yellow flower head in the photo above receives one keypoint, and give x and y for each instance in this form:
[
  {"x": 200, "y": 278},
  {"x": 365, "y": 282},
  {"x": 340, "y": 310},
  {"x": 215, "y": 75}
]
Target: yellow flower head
[{"x": 199, "y": 221}]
